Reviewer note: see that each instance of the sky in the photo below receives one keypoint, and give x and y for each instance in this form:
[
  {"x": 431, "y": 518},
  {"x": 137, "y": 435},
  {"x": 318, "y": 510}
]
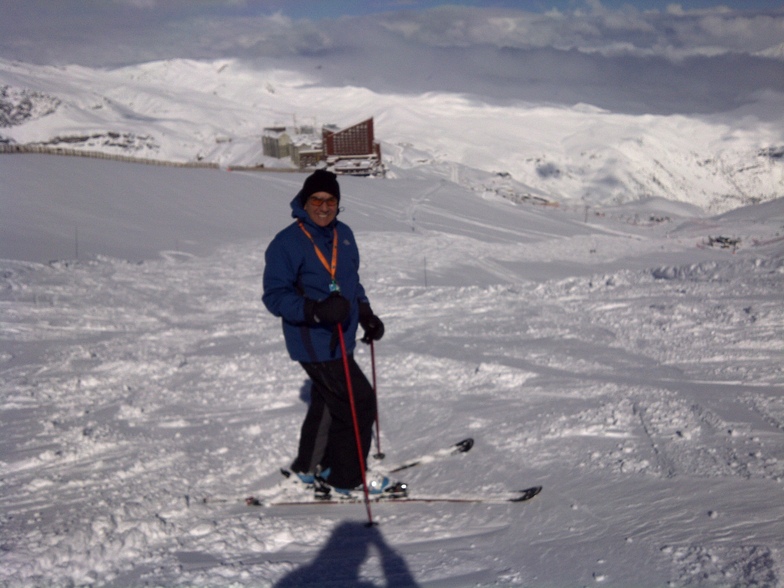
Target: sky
[
  {"x": 332, "y": 8},
  {"x": 115, "y": 32},
  {"x": 327, "y": 9},
  {"x": 657, "y": 56}
]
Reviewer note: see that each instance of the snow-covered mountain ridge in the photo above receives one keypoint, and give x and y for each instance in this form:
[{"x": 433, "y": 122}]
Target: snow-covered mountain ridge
[{"x": 215, "y": 111}]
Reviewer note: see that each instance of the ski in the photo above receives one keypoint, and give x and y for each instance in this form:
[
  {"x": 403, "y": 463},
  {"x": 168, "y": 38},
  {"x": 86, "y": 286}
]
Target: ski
[
  {"x": 290, "y": 485},
  {"x": 463, "y": 446},
  {"x": 496, "y": 498}
]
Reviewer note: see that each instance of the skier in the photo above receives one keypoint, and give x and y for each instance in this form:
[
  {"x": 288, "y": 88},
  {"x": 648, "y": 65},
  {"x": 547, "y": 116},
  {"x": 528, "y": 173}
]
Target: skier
[{"x": 311, "y": 281}]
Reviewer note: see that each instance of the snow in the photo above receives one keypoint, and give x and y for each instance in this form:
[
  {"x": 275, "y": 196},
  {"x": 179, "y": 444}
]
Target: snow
[
  {"x": 586, "y": 293},
  {"x": 607, "y": 353},
  {"x": 215, "y": 111}
]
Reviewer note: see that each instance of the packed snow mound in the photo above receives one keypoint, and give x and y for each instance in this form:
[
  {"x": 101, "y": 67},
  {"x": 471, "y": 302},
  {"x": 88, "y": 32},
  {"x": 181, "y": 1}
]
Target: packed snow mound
[{"x": 215, "y": 112}]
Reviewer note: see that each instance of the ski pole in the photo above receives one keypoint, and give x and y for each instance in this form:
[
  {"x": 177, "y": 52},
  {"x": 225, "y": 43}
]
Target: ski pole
[
  {"x": 379, "y": 454},
  {"x": 350, "y": 389}
]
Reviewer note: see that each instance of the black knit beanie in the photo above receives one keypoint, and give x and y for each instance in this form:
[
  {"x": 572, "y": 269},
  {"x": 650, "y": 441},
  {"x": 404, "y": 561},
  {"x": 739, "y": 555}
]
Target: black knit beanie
[{"x": 319, "y": 181}]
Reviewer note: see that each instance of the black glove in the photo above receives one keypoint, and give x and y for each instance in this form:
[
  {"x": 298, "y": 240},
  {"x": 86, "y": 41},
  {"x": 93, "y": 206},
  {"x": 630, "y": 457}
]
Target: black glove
[
  {"x": 333, "y": 310},
  {"x": 374, "y": 328}
]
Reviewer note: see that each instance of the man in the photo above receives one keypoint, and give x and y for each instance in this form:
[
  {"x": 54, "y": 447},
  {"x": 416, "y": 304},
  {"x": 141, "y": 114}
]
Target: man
[{"x": 311, "y": 281}]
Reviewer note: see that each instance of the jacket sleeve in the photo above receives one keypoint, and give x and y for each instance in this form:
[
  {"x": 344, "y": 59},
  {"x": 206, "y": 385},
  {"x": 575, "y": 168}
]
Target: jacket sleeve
[
  {"x": 359, "y": 292},
  {"x": 361, "y": 296},
  {"x": 281, "y": 295}
]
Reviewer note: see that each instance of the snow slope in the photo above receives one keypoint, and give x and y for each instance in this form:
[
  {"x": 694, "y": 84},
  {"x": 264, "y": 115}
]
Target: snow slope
[
  {"x": 215, "y": 111},
  {"x": 612, "y": 356}
]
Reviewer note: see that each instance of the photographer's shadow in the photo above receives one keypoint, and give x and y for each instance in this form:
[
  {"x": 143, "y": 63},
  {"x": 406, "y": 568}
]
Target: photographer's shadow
[{"x": 340, "y": 560}]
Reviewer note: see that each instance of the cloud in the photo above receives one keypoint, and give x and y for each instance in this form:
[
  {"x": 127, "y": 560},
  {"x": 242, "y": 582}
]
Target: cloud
[
  {"x": 179, "y": 5},
  {"x": 628, "y": 60},
  {"x": 93, "y": 31},
  {"x": 673, "y": 33},
  {"x": 138, "y": 3}
]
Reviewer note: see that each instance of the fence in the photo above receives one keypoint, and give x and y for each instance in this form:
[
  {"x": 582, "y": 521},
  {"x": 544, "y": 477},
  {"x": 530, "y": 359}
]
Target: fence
[{"x": 52, "y": 150}]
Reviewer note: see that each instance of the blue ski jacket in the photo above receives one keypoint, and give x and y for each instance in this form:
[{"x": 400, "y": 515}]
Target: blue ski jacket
[{"x": 293, "y": 272}]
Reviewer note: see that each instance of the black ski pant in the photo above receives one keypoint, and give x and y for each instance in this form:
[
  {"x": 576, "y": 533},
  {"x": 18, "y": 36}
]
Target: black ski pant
[
  {"x": 327, "y": 437},
  {"x": 314, "y": 434}
]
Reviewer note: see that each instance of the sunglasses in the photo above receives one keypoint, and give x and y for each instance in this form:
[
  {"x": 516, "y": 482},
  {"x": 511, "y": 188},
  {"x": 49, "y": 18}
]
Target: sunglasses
[{"x": 331, "y": 202}]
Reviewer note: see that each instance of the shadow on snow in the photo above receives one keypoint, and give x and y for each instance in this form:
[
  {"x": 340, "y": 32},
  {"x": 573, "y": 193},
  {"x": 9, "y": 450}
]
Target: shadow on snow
[{"x": 341, "y": 560}]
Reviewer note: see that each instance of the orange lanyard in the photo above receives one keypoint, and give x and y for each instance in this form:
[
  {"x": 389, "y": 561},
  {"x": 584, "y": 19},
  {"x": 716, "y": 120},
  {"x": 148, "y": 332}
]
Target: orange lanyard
[{"x": 330, "y": 267}]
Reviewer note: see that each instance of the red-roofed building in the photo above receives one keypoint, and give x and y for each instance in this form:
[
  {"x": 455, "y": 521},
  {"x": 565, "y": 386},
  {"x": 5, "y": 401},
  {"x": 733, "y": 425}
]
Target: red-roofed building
[{"x": 352, "y": 150}]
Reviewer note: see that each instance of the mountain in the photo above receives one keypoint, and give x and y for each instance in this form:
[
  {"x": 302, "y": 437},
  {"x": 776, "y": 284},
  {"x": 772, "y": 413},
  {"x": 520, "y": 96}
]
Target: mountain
[{"x": 214, "y": 112}]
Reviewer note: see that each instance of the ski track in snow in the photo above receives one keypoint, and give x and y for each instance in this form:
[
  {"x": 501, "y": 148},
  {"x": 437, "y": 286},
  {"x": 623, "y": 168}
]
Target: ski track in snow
[{"x": 646, "y": 396}]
